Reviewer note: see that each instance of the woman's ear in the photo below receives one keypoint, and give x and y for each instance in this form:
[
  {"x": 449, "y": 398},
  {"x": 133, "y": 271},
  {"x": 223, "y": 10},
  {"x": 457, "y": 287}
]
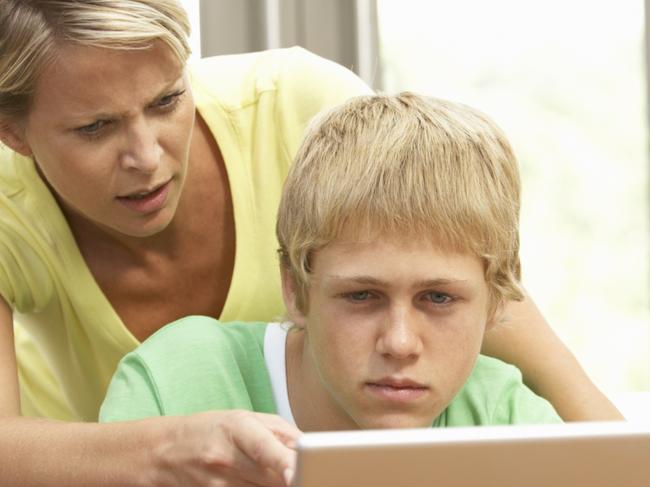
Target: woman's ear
[
  {"x": 13, "y": 137},
  {"x": 290, "y": 297}
]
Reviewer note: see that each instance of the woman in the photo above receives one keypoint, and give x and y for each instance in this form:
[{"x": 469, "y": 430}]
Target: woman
[{"x": 133, "y": 192}]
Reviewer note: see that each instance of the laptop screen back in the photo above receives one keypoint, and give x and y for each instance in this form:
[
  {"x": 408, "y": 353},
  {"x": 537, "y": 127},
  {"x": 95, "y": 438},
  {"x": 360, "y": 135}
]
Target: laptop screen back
[{"x": 568, "y": 455}]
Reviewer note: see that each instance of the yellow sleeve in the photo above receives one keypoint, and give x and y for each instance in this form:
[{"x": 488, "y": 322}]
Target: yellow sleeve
[
  {"x": 25, "y": 280},
  {"x": 307, "y": 85}
]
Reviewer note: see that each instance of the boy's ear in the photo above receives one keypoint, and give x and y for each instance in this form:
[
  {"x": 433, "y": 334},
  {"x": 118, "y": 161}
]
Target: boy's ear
[
  {"x": 12, "y": 136},
  {"x": 496, "y": 315},
  {"x": 290, "y": 298}
]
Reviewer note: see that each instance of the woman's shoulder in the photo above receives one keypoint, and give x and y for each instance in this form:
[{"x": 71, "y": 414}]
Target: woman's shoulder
[
  {"x": 238, "y": 79},
  {"x": 264, "y": 66},
  {"x": 28, "y": 218},
  {"x": 14, "y": 175}
]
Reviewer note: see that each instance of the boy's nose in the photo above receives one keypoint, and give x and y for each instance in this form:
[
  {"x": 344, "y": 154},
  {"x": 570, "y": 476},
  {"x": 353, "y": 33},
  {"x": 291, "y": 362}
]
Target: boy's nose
[{"x": 399, "y": 338}]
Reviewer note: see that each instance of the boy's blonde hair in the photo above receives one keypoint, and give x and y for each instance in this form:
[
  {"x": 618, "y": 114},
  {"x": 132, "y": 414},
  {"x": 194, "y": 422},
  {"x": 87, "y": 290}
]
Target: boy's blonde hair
[
  {"x": 404, "y": 166},
  {"x": 32, "y": 30}
]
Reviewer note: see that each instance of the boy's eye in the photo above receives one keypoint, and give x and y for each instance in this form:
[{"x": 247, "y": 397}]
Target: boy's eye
[
  {"x": 93, "y": 128},
  {"x": 438, "y": 298},
  {"x": 358, "y": 295}
]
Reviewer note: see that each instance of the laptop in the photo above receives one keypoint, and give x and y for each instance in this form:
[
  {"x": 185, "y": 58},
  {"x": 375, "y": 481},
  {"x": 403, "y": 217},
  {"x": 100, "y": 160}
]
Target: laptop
[{"x": 599, "y": 454}]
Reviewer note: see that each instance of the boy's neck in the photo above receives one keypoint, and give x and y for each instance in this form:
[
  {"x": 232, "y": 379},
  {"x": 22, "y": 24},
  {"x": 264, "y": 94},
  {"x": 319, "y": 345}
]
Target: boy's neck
[{"x": 312, "y": 407}]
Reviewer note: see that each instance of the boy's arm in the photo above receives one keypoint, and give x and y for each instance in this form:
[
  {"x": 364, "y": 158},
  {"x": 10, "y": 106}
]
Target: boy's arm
[
  {"x": 517, "y": 404},
  {"x": 223, "y": 445},
  {"x": 132, "y": 393},
  {"x": 548, "y": 366}
]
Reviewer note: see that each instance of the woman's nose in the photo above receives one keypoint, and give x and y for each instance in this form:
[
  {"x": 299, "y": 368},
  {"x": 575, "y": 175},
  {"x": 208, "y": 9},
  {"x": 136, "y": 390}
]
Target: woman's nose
[{"x": 143, "y": 151}]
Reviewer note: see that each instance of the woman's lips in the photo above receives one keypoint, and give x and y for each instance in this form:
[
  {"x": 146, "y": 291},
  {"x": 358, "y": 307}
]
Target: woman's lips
[{"x": 147, "y": 202}]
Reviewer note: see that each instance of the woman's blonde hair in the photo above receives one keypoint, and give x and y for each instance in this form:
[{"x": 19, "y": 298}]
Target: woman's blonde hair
[
  {"x": 32, "y": 30},
  {"x": 404, "y": 166}
]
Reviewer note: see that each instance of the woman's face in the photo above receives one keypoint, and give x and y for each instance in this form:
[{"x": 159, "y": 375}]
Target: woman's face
[{"x": 110, "y": 131}]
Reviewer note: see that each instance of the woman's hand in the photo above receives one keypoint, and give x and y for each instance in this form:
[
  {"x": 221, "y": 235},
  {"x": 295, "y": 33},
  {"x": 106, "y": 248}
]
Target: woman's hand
[
  {"x": 227, "y": 448},
  {"x": 213, "y": 449}
]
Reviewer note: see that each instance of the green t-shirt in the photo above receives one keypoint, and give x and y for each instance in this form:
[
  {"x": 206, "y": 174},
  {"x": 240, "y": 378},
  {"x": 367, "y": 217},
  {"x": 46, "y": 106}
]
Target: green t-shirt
[{"x": 199, "y": 364}]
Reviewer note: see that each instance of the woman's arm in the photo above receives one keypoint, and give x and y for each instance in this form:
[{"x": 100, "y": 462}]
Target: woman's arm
[
  {"x": 9, "y": 395},
  {"x": 165, "y": 451},
  {"x": 236, "y": 447},
  {"x": 526, "y": 340}
]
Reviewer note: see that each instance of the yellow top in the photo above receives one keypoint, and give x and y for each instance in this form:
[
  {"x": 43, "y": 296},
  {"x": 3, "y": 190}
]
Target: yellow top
[{"x": 68, "y": 336}]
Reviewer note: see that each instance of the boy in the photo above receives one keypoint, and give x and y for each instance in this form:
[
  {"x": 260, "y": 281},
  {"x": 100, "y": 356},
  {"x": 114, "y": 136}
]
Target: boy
[{"x": 398, "y": 232}]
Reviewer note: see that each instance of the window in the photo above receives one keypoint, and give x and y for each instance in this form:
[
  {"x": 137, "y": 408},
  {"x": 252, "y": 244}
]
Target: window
[
  {"x": 565, "y": 80},
  {"x": 192, "y": 9}
]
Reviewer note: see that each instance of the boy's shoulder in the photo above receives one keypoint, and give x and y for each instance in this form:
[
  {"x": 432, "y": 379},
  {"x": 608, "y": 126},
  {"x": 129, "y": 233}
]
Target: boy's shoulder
[
  {"x": 495, "y": 394},
  {"x": 194, "y": 364},
  {"x": 201, "y": 333},
  {"x": 199, "y": 343}
]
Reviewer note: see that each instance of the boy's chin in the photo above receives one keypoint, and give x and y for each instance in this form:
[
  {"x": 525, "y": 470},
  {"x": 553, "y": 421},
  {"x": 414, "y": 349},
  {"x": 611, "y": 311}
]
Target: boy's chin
[{"x": 396, "y": 421}]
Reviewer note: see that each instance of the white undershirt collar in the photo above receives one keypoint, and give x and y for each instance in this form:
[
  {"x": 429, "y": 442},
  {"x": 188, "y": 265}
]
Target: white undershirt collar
[{"x": 275, "y": 341}]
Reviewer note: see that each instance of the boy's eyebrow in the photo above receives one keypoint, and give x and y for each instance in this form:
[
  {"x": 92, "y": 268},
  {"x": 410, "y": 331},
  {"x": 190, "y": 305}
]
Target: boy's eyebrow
[{"x": 373, "y": 281}]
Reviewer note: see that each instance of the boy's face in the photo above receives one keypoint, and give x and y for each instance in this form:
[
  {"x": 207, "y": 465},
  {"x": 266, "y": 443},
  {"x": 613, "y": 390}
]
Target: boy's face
[{"x": 393, "y": 329}]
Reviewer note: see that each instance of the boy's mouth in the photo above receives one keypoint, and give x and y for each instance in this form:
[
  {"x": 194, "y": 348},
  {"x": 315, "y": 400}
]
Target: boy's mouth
[{"x": 397, "y": 389}]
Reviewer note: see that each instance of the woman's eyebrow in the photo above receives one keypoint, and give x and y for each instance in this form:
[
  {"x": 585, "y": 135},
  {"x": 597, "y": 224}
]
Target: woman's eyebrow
[
  {"x": 165, "y": 90},
  {"x": 75, "y": 118}
]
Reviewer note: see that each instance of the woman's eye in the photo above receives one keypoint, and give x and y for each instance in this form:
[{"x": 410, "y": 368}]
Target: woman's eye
[
  {"x": 166, "y": 100},
  {"x": 169, "y": 100},
  {"x": 438, "y": 298}
]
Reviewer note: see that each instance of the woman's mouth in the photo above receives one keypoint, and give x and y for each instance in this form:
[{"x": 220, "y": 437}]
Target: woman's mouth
[{"x": 146, "y": 201}]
